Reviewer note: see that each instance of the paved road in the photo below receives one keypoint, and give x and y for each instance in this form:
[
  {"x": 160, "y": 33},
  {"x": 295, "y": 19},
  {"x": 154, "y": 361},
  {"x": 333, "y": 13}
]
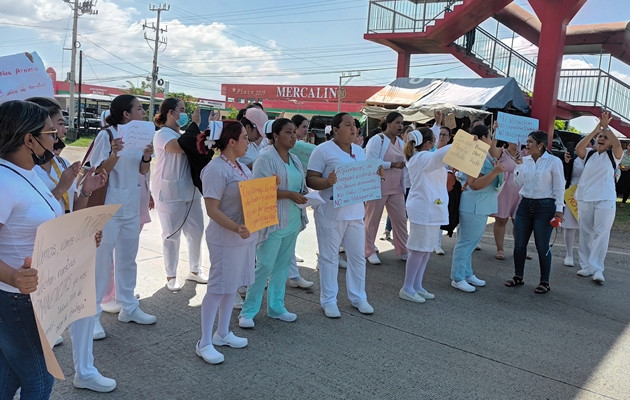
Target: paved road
[{"x": 497, "y": 343}]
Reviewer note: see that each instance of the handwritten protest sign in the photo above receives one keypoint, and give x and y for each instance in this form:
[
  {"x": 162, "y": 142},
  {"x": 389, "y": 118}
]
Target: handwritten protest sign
[
  {"x": 514, "y": 128},
  {"x": 136, "y": 135},
  {"x": 357, "y": 182},
  {"x": 466, "y": 154},
  {"x": 21, "y": 78},
  {"x": 303, "y": 151},
  {"x": 258, "y": 197},
  {"x": 569, "y": 199},
  {"x": 65, "y": 257}
]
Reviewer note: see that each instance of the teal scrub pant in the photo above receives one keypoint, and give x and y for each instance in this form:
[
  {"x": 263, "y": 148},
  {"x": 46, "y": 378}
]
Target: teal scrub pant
[
  {"x": 469, "y": 233},
  {"x": 273, "y": 259}
]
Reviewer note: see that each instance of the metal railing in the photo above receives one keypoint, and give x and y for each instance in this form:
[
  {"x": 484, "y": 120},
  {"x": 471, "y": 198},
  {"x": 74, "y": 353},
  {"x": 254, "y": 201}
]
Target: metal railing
[{"x": 406, "y": 16}]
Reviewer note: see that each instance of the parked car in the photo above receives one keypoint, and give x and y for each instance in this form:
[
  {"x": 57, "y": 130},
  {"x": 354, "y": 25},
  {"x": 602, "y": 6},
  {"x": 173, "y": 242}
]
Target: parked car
[
  {"x": 66, "y": 117},
  {"x": 317, "y": 126},
  {"x": 88, "y": 121}
]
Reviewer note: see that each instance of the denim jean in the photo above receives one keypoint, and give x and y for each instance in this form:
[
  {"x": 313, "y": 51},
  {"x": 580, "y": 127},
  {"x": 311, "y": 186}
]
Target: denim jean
[
  {"x": 22, "y": 362},
  {"x": 533, "y": 215}
]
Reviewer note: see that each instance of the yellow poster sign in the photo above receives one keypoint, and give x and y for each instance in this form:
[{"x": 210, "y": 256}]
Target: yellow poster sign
[
  {"x": 258, "y": 197},
  {"x": 466, "y": 154},
  {"x": 569, "y": 200}
]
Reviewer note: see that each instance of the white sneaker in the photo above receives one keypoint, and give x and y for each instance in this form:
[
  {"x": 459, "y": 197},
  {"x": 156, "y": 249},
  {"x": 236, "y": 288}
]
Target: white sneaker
[
  {"x": 286, "y": 317},
  {"x": 200, "y": 277},
  {"x": 598, "y": 276},
  {"x": 58, "y": 341},
  {"x": 477, "y": 247},
  {"x": 238, "y": 302},
  {"x": 414, "y": 298},
  {"x": 242, "y": 290},
  {"x": 473, "y": 280},
  {"x": 568, "y": 261},
  {"x": 111, "y": 307},
  {"x": 209, "y": 354},
  {"x": 173, "y": 285},
  {"x": 332, "y": 311},
  {"x": 231, "y": 340},
  {"x": 300, "y": 283},
  {"x": 374, "y": 260},
  {"x": 246, "y": 323},
  {"x": 98, "y": 333},
  {"x": 463, "y": 286},
  {"x": 425, "y": 294},
  {"x": 341, "y": 249},
  {"x": 438, "y": 250},
  {"x": 404, "y": 257},
  {"x": 299, "y": 258},
  {"x": 138, "y": 316},
  {"x": 585, "y": 272},
  {"x": 342, "y": 263},
  {"x": 97, "y": 383},
  {"x": 364, "y": 307}
]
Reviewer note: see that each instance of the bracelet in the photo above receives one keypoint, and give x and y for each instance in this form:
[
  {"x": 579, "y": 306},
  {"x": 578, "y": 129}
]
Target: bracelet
[
  {"x": 81, "y": 194},
  {"x": 145, "y": 161}
]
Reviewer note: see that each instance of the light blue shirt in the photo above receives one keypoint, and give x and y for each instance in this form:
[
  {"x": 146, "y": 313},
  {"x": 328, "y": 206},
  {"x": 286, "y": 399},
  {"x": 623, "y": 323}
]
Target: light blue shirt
[{"x": 483, "y": 201}]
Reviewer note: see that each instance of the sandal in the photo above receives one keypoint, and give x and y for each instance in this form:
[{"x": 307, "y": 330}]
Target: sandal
[
  {"x": 515, "y": 281},
  {"x": 500, "y": 255},
  {"x": 542, "y": 288}
]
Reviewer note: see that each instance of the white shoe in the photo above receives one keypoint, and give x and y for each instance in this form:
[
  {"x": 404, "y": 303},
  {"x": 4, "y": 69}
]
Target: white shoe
[
  {"x": 200, "y": 277},
  {"x": 173, "y": 285},
  {"x": 342, "y": 263},
  {"x": 209, "y": 354},
  {"x": 477, "y": 247},
  {"x": 374, "y": 260},
  {"x": 364, "y": 307},
  {"x": 438, "y": 250},
  {"x": 585, "y": 272},
  {"x": 98, "y": 333},
  {"x": 138, "y": 316},
  {"x": 246, "y": 323},
  {"x": 332, "y": 311},
  {"x": 97, "y": 383},
  {"x": 415, "y": 298},
  {"x": 238, "y": 302},
  {"x": 299, "y": 258},
  {"x": 286, "y": 317},
  {"x": 568, "y": 261},
  {"x": 111, "y": 307},
  {"x": 473, "y": 280},
  {"x": 58, "y": 341},
  {"x": 341, "y": 249},
  {"x": 242, "y": 290},
  {"x": 463, "y": 286},
  {"x": 300, "y": 283},
  {"x": 231, "y": 340},
  {"x": 426, "y": 295},
  {"x": 598, "y": 276},
  {"x": 404, "y": 257}
]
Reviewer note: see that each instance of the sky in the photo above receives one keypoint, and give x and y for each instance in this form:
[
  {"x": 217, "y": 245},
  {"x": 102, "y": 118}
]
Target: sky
[{"x": 213, "y": 42}]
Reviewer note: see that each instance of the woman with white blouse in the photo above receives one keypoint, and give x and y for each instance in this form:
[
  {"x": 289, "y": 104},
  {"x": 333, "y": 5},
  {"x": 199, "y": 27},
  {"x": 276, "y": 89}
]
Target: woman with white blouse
[
  {"x": 597, "y": 197},
  {"x": 541, "y": 177}
]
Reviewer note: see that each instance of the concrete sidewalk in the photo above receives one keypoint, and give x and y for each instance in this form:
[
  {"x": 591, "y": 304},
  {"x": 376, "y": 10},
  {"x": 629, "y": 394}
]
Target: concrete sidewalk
[{"x": 497, "y": 343}]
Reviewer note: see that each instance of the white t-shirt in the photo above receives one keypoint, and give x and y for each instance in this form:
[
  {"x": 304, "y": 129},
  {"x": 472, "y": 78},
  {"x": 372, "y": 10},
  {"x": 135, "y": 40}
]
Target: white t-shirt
[
  {"x": 171, "y": 178},
  {"x": 253, "y": 150},
  {"x": 122, "y": 184},
  {"x": 597, "y": 182},
  {"x": 62, "y": 163},
  {"x": 22, "y": 210},
  {"x": 324, "y": 159}
]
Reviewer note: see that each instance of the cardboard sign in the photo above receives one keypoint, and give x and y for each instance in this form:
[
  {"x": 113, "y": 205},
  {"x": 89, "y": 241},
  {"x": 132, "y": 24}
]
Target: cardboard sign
[
  {"x": 466, "y": 154},
  {"x": 65, "y": 258},
  {"x": 303, "y": 151},
  {"x": 514, "y": 128},
  {"x": 259, "y": 197},
  {"x": 357, "y": 182},
  {"x": 569, "y": 200},
  {"x": 21, "y": 78},
  {"x": 136, "y": 135}
]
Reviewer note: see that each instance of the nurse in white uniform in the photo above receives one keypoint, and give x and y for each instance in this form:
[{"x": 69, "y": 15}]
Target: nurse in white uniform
[
  {"x": 122, "y": 232},
  {"x": 341, "y": 226},
  {"x": 177, "y": 200}
]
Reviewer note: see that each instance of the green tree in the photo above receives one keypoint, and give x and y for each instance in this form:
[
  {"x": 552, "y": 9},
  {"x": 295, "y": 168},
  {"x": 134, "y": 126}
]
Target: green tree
[
  {"x": 561, "y": 125},
  {"x": 233, "y": 113},
  {"x": 190, "y": 102},
  {"x": 137, "y": 91}
]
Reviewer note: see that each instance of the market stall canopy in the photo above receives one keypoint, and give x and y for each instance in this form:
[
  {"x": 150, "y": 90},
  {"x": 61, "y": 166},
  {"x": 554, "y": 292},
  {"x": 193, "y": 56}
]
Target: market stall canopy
[
  {"x": 425, "y": 113},
  {"x": 483, "y": 93}
]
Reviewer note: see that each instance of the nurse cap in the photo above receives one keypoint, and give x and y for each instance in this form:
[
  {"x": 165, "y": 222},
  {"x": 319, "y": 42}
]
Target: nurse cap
[
  {"x": 267, "y": 131},
  {"x": 416, "y": 136}
]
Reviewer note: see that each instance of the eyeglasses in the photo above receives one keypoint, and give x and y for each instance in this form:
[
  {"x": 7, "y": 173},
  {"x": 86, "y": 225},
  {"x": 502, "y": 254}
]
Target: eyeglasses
[{"x": 54, "y": 133}]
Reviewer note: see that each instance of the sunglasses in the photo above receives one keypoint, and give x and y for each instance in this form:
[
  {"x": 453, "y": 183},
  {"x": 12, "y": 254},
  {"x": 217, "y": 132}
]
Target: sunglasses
[{"x": 54, "y": 133}]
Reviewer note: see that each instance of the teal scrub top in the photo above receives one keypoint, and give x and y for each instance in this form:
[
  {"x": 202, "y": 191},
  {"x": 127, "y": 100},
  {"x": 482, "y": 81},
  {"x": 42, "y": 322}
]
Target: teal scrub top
[
  {"x": 484, "y": 201},
  {"x": 295, "y": 185}
]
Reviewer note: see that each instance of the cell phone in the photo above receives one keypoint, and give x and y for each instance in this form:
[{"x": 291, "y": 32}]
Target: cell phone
[{"x": 571, "y": 149}]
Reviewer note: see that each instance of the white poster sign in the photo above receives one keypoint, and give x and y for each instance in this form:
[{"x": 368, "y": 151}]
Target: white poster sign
[
  {"x": 136, "y": 135},
  {"x": 22, "y": 76},
  {"x": 514, "y": 128}
]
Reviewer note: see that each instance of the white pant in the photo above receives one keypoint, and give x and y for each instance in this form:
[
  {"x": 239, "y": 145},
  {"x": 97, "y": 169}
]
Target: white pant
[
  {"x": 595, "y": 219},
  {"x": 124, "y": 235},
  {"x": 171, "y": 218},
  {"x": 330, "y": 236},
  {"x": 81, "y": 333}
]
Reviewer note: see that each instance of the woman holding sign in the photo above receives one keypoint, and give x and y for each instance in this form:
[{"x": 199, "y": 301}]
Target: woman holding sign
[
  {"x": 541, "y": 177},
  {"x": 27, "y": 137},
  {"x": 342, "y": 226},
  {"x": 122, "y": 232},
  {"x": 232, "y": 247},
  {"x": 277, "y": 243}
]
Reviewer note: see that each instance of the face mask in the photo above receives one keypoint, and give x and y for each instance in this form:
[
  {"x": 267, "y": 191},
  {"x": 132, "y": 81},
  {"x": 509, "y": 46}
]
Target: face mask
[
  {"x": 48, "y": 155},
  {"x": 183, "y": 119},
  {"x": 59, "y": 145}
]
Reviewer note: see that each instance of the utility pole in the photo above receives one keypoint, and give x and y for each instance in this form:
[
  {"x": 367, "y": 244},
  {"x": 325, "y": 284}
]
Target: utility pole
[
  {"x": 78, "y": 9},
  {"x": 349, "y": 75},
  {"x": 156, "y": 45},
  {"x": 80, "y": 84}
]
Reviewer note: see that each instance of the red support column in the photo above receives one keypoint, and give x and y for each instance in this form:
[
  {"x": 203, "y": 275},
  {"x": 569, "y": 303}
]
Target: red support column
[
  {"x": 554, "y": 16},
  {"x": 403, "y": 65}
]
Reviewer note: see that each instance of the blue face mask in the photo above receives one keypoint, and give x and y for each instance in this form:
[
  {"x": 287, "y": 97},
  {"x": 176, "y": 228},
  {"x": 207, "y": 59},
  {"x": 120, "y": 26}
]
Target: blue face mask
[{"x": 183, "y": 119}]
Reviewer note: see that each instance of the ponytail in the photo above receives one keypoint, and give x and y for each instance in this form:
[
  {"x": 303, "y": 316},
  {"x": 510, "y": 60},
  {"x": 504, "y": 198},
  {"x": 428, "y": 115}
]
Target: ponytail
[{"x": 410, "y": 149}]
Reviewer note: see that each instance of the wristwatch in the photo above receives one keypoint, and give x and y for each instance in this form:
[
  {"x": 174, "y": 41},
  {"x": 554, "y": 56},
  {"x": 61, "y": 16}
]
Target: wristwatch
[
  {"x": 82, "y": 194},
  {"x": 145, "y": 161}
]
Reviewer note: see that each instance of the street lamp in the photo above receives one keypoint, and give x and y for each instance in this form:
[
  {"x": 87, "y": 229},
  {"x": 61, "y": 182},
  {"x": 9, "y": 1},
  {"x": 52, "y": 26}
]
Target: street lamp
[{"x": 349, "y": 75}]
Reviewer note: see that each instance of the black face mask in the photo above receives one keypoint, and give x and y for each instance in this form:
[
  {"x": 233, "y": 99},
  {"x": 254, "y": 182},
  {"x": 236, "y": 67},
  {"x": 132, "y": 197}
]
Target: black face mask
[
  {"x": 48, "y": 155},
  {"x": 59, "y": 145}
]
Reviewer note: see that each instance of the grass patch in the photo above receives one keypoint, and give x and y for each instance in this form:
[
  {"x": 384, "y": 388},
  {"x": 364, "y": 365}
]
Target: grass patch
[
  {"x": 622, "y": 217},
  {"x": 83, "y": 141}
]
